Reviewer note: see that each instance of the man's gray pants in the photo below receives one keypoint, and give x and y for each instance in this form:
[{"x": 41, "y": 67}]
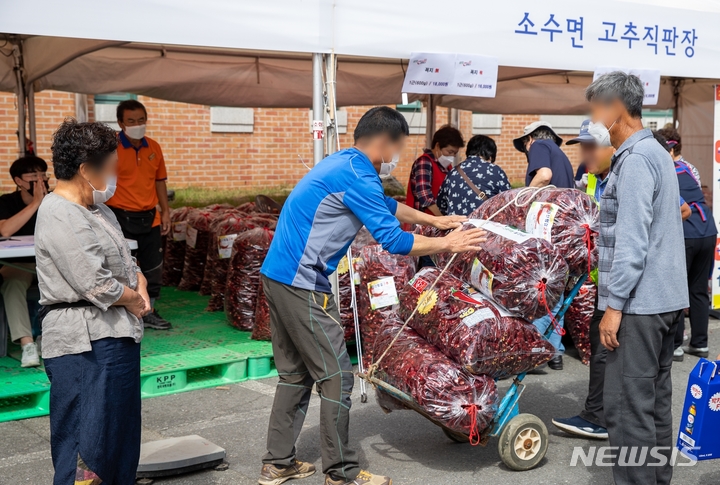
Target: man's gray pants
[
  {"x": 638, "y": 397},
  {"x": 309, "y": 348}
]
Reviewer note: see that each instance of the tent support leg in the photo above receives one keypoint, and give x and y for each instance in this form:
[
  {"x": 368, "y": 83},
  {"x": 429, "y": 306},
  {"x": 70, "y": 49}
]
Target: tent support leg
[
  {"x": 31, "y": 116},
  {"x": 454, "y": 117},
  {"x": 17, "y": 55},
  {"x": 430, "y": 124},
  {"x": 318, "y": 115}
]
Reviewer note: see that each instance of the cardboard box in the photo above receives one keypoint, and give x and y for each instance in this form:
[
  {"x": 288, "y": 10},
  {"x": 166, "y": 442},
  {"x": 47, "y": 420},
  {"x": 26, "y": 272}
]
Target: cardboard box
[{"x": 700, "y": 422}]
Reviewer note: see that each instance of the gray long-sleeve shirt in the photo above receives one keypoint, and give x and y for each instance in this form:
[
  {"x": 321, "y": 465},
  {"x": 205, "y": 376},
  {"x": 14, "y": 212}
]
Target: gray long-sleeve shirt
[
  {"x": 642, "y": 250},
  {"x": 82, "y": 255}
]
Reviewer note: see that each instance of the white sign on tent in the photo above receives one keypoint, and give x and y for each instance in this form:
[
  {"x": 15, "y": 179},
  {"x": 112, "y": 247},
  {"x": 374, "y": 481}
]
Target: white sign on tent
[
  {"x": 459, "y": 74},
  {"x": 649, "y": 77}
]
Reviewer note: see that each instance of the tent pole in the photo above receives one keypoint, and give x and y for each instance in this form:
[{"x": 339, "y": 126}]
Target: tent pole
[
  {"x": 318, "y": 116},
  {"x": 454, "y": 117},
  {"x": 430, "y": 120},
  {"x": 31, "y": 116},
  {"x": 17, "y": 55},
  {"x": 330, "y": 88}
]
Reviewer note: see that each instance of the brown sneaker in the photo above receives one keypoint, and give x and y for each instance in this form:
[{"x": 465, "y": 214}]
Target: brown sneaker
[
  {"x": 363, "y": 478},
  {"x": 273, "y": 475}
]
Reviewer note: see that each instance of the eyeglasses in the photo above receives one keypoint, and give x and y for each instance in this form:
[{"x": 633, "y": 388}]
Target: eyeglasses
[{"x": 36, "y": 177}]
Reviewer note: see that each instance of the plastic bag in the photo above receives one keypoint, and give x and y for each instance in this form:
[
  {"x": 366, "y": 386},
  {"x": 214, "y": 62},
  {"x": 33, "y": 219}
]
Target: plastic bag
[
  {"x": 439, "y": 259},
  {"x": 568, "y": 218},
  {"x": 382, "y": 276},
  {"x": 362, "y": 239},
  {"x": 578, "y": 317},
  {"x": 174, "y": 255},
  {"x": 463, "y": 402},
  {"x": 224, "y": 230},
  {"x": 243, "y": 278},
  {"x": 221, "y": 265},
  {"x": 197, "y": 237},
  {"x": 469, "y": 328},
  {"x": 261, "y": 327},
  {"x": 524, "y": 274},
  {"x": 247, "y": 207}
]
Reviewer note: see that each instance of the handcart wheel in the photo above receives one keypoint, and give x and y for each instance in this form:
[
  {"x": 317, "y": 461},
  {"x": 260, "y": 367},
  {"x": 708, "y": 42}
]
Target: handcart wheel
[
  {"x": 523, "y": 442},
  {"x": 363, "y": 398},
  {"x": 456, "y": 437}
]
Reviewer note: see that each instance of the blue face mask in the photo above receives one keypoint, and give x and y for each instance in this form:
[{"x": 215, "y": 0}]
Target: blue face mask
[{"x": 102, "y": 196}]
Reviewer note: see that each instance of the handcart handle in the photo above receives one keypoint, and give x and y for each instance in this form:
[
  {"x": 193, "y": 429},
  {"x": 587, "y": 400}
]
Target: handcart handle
[{"x": 566, "y": 304}]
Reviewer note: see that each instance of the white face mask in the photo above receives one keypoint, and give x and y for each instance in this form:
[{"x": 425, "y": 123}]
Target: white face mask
[
  {"x": 387, "y": 168},
  {"x": 136, "y": 132},
  {"x": 102, "y": 196},
  {"x": 446, "y": 161},
  {"x": 600, "y": 133}
]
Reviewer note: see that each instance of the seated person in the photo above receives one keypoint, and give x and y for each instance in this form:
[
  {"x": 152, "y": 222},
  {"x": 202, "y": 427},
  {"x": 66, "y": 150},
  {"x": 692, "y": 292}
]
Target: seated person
[
  {"x": 473, "y": 181},
  {"x": 17, "y": 218}
]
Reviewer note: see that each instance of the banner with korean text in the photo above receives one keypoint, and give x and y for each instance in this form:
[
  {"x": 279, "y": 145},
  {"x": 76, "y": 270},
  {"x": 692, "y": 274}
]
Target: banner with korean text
[{"x": 458, "y": 74}]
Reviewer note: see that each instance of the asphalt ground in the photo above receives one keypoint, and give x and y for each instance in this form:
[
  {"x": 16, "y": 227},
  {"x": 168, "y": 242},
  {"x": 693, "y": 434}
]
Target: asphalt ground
[{"x": 401, "y": 444}]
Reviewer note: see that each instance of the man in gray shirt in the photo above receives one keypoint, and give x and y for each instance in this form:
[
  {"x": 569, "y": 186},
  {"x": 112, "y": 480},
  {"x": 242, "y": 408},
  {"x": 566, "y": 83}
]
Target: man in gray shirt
[{"x": 642, "y": 286}]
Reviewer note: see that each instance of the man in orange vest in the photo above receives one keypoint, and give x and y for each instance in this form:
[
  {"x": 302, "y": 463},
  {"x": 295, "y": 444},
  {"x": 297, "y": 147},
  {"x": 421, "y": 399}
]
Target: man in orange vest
[{"x": 141, "y": 188}]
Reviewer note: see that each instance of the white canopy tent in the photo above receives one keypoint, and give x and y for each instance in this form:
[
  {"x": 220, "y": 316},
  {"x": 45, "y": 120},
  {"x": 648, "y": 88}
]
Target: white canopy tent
[{"x": 242, "y": 53}]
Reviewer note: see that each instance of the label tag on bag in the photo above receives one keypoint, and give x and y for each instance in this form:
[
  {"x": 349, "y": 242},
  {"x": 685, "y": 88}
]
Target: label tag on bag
[
  {"x": 191, "y": 236},
  {"x": 225, "y": 245},
  {"x": 383, "y": 293},
  {"x": 179, "y": 230}
]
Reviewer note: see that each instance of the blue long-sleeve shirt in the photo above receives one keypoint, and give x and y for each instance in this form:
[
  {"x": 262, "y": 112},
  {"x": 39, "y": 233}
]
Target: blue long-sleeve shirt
[{"x": 323, "y": 214}]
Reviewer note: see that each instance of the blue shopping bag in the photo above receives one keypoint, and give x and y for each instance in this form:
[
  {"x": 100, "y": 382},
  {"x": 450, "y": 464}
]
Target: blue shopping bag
[{"x": 699, "y": 435}]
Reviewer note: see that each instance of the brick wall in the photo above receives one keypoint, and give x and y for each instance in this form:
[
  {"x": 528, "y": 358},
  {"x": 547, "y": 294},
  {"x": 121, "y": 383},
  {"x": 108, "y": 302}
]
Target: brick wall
[{"x": 268, "y": 157}]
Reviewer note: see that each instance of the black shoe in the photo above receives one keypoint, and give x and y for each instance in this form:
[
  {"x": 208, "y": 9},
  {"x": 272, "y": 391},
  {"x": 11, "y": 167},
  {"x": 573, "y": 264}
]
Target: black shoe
[
  {"x": 154, "y": 320},
  {"x": 556, "y": 363}
]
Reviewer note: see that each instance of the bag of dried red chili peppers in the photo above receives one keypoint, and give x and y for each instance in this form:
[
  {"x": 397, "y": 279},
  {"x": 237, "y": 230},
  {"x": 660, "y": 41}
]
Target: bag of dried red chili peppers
[
  {"x": 568, "y": 218},
  {"x": 347, "y": 319},
  {"x": 223, "y": 254},
  {"x": 468, "y": 327},
  {"x": 524, "y": 274},
  {"x": 578, "y": 318},
  {"x": 174, "y": 254},
  {"x": 382, "y": 277},
  {"x": 197, "y": 238},
  {"x": 243, "y": 278},
  {"x": 463, "y": 402},
  {"x": 261, "y": 327}
]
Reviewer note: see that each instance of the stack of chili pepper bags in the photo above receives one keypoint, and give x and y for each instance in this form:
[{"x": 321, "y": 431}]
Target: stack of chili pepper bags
[
  {"x": 468, "y": 327},
  {"x": 197, "y": 238},
  {"x": 224, "y": 232},
  {"x": 363, "y": 238},
  {"x": 524, "y": 274},
  {"x": 174, "y": 254},
  {"x": 579, "y": 316},
  {"x": 462, "y": 402},
  {"x": 243, "y": 279},
  {"x": 382, "y": 276},
  {"x": 567, "y": 218}
]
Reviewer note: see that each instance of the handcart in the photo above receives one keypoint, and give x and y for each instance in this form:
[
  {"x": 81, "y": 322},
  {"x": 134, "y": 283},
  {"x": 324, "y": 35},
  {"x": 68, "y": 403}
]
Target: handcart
[{"x": 523, "y": 437}]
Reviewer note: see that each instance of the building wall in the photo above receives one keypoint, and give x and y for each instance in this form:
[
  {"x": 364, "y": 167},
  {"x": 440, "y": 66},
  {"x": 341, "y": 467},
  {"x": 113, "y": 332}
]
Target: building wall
[{"x": 268, "y": 157}]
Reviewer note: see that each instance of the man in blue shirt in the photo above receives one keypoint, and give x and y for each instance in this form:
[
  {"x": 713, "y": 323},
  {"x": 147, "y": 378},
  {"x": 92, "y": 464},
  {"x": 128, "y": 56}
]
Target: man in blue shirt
[
  {"x": 547, "y": 164},
  {"x": 318, "y": 222}
]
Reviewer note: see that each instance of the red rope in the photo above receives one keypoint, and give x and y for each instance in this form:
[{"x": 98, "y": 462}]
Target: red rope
[
  {"x": 474, "y": 436},
  {"x": 542, "y": 288},
  {"x": 587, "y": 239}
]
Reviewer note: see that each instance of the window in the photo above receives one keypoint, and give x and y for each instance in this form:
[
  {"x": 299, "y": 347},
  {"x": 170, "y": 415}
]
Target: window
[
  {"x": 415, "y": 116},
  {"x": 106, "y": 107},
  {"x": 340, "y": 118},
  {"x": 231, "y": 120},
  {"x": 657, "y": 118},
  {"x": 414, "y": 106},
  {"x": 486, "y": 124},
  {"x": 565, "y": 124}
]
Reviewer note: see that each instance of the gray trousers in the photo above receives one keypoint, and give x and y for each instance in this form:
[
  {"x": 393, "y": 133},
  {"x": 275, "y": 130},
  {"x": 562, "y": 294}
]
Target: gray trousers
[
  {"x": 14, "y": 291},
  {"x": 309, "y": 348},
  {"x": 594, "y": 408},
  {"x": 638, "y": 396}
]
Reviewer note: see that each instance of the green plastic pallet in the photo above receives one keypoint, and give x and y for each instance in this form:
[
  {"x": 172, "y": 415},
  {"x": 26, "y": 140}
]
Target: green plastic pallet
[{"x": 201, "y": 351}]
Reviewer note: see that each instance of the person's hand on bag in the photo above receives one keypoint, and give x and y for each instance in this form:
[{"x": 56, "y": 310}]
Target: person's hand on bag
[
  {"x": 448, "y": 222},
  {"x": 461, "y": 241}
]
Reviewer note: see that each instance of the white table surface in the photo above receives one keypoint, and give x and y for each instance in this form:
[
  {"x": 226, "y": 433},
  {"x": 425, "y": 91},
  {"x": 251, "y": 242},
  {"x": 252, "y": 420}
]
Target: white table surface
[{"x": 24, "y": 246}]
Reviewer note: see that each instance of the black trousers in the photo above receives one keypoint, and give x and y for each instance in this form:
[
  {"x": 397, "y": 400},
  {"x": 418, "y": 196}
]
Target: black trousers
[
  {"x": 309, "y": 348},
  {"x": 594, "y": 408},
  {"x": 149, "y": 253},
  {"x": 638, "y": 396},
  {"x": 699, "y": 256}
]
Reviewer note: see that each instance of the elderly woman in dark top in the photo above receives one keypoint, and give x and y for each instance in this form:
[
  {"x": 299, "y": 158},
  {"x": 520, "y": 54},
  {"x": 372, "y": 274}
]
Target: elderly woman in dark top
[{"x": 94, "y": 297}]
